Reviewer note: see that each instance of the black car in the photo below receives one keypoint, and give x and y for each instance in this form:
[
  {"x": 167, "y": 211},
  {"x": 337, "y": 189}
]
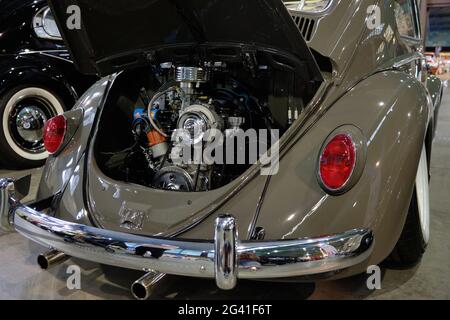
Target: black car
[{"x": 37, "y": 80}]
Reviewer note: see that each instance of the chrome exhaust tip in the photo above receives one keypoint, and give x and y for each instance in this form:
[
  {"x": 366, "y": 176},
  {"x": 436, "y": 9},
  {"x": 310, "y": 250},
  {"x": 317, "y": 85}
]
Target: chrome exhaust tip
[
  {"x": 51, "y": 258},
  {"x": 142, "y": 288}
]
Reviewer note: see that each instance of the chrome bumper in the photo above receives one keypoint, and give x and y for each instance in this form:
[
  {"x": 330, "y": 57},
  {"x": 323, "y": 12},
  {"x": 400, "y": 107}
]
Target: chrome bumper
[{"x": 225, "y": 259}]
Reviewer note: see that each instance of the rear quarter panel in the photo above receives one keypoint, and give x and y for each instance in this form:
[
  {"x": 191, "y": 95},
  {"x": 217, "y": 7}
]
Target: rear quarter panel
[
  {"x": 59, "y": 169},
  {"x": 392, "y": 110}
]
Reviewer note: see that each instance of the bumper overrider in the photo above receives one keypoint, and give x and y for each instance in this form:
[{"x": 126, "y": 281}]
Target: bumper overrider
[{"x": 225, "y": 259}]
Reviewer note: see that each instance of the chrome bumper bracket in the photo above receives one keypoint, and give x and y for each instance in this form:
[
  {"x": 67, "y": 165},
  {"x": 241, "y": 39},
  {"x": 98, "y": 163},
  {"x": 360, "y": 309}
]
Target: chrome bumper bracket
[
  {"x": 225, "y": 252},
  {"x": 6, "y": 204}
]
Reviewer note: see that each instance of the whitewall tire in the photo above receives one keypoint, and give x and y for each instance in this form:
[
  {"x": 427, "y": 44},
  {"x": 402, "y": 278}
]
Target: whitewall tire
[
  {"x": 416, "y": 231},
  {"x": 24, "y": 112},
  {"x": 423, "y": 195}
]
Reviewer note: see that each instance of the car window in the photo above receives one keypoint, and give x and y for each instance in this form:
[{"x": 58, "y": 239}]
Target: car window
[
  {"x": 45, "y": 26},
  {"x": 404, "y": 14}
]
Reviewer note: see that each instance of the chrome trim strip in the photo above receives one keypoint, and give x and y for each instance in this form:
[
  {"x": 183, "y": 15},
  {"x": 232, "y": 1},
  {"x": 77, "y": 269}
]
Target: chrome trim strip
[
  {"x": 27, "y": 51},
  {"x": 409, "y": 59},
  {"x": 47, "y": 53},
  {"x": 253, "y": 226},
  {"x": 224, "y": 259},
  {"x": 331, "y": 5},
  {"x": 56, "y": 57}
]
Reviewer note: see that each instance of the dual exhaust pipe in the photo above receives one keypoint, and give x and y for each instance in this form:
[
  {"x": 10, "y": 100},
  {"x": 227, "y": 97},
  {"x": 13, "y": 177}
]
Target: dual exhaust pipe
[
  {"x": 51, "y": 258},
  {"x": 16, "y": 190},
  {"x": 141, "y": 289}
]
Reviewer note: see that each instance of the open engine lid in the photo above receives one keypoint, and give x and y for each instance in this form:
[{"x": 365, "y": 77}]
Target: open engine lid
[{"x": 119, "y": 34}]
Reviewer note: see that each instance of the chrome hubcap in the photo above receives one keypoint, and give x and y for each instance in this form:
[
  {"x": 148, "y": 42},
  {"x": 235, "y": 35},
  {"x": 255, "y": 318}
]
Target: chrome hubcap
[
  {"x": 30, "y": 123},
  {"x": 26, "y": 123}
]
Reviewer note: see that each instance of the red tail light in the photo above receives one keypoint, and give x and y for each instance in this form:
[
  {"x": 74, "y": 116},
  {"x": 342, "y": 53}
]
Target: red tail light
[
  {"x": 54, "y": 132},
  {"x": 337, "y": 162}
]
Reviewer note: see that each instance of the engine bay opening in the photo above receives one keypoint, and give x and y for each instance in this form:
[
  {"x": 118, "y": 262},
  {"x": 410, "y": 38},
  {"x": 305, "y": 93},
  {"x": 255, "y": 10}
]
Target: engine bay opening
[{"x": 159, "y": 119}]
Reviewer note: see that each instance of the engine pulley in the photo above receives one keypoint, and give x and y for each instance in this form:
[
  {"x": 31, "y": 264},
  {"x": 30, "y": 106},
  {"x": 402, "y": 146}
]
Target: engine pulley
[
  {"x": 196, "y": 120},
  {"x": 174, "y": 179}
]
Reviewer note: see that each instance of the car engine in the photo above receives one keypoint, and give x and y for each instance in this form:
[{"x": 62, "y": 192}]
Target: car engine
[
  {"x": 170, "y": 119},
  {"x": 192, "y": 103}
]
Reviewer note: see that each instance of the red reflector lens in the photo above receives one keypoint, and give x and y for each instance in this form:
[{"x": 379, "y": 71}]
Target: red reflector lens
[
  {"x": 337, "y": 162},
  {"x": 54, "y": 131}
]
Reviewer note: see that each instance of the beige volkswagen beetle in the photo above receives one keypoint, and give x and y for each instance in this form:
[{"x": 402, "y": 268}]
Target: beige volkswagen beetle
[{"x": 344, "y": 185}]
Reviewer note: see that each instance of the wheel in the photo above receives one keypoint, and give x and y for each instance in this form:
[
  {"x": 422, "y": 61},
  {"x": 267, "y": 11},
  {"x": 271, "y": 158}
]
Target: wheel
[
  {"x": 24, "y": 111},
  {"x": 416, "y": 232}
]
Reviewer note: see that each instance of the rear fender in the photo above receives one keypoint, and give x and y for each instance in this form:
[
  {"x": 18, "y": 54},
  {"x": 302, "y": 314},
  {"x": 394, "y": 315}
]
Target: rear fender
[
  {"x": 16, "y": 72},
  {"x": 60, "y": 169},
  {"x": 392, "y": 111}
]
